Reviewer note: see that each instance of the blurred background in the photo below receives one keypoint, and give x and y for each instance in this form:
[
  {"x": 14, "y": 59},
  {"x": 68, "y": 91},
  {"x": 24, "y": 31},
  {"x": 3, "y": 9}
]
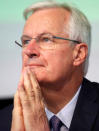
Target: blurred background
[{"x": 11, "y": 25}]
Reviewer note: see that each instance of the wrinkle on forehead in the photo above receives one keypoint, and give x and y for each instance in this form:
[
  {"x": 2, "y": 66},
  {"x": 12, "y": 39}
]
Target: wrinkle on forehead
[{"x": 51, "y": 18}]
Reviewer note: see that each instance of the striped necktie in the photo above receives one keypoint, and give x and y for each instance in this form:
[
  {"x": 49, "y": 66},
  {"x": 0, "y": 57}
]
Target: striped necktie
[{"x": 56, "y": 124}]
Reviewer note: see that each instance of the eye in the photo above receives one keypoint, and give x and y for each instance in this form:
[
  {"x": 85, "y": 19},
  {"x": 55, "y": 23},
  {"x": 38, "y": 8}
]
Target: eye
[
  {"x": 25, "y": 42},
  {"x": 45, "y": 39}
]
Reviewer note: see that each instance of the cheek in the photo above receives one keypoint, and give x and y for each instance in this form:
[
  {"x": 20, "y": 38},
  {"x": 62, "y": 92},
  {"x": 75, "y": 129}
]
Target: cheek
[
  {"x": 58, "y": 60},
  {"x": 59, "y": 66},
  {"x": 24, "y": 59}
]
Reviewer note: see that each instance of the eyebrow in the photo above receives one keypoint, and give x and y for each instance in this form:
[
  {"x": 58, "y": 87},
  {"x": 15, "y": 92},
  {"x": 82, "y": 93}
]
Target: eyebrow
[
  {"x": 28, "y": 37},
  {"x": 25, "y": 37}
]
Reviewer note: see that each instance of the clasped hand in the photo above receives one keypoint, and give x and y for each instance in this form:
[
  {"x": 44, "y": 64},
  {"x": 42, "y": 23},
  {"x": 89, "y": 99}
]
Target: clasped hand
[{"x": 29, "y": 111}]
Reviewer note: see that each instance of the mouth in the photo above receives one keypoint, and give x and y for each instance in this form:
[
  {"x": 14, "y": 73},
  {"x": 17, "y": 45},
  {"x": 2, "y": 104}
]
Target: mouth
[{"x": 34, "y": 65}]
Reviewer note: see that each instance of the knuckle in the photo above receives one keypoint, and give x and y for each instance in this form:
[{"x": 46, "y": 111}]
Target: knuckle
[
  {"x": 32, "y": 95},
  {"x": 25, "y": 102}
]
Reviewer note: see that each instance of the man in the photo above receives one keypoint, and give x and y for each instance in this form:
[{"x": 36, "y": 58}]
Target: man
[{"x": 53, "y": 93}]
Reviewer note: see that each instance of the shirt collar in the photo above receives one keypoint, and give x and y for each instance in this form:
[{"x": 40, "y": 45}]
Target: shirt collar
[{"x": 66, "y": 113}]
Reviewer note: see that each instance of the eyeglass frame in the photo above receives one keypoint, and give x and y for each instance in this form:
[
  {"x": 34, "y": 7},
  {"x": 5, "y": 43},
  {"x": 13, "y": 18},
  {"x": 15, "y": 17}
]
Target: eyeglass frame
[{"x": 54, "y": 37}]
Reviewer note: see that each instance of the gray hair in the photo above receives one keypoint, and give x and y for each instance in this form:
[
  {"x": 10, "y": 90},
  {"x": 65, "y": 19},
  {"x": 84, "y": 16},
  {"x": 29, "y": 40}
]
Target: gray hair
[{"x": 79, "y": 26}]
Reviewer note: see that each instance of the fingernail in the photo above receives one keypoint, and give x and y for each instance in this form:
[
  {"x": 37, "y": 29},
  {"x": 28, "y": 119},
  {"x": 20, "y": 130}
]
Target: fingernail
[
  {"x": 19, "y": 85},
  {"x": 25, "y": 70},
  {"x": 21, "y": 88},
  {"x": 28, "y": 70}
]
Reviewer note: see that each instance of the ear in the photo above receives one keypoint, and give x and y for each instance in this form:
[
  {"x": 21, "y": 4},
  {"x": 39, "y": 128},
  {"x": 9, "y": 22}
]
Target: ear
[{"x": 80, "y": 53}]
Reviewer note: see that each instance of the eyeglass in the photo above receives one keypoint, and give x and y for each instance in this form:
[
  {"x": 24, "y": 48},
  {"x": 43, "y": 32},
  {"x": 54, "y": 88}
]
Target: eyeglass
[{"x": 43, "y": 40}]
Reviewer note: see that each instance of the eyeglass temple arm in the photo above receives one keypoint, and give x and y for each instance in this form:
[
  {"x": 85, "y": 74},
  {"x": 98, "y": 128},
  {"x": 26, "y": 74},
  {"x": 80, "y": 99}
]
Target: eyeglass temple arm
[
  {"x": 67, "y": 39},
  {"x": 18, "y": 44}
]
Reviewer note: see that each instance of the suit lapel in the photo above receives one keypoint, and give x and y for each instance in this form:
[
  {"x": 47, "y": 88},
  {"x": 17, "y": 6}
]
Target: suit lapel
[{"x": 86, "y": 108}]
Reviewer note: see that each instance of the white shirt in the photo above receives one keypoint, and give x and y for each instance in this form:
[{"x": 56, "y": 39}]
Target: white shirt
[{"x": 66, "y": 113}]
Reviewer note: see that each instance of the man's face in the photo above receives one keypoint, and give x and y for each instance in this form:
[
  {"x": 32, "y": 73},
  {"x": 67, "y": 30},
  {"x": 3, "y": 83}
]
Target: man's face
[{"x": 50, "y": 65}]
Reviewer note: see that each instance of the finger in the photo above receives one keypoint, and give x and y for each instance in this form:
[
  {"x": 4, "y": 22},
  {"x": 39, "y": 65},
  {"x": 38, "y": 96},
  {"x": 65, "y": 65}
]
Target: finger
[
  {"x": 17, "y": 103},
  {"x": 33, "y": 111},
  {"x": 21, "y": 81},
  {"x": 27, "y": 110},
  {"x": 17, "y": 115},
  {"x": 35, "y": 85},
  {"x": 31, "y": 85},
  {"x": 23, "y": 98},
  {"x": 36, "y": 90},
  {"x": 28, "y": 86},
  {"x": 33, "y": 90}
]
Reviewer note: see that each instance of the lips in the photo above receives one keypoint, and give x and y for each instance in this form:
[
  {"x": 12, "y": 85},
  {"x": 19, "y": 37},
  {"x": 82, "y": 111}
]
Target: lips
[{"x": 34, "y": 64}]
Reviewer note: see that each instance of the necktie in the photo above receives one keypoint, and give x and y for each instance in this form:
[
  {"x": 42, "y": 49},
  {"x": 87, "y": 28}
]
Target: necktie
[{"x": 55, "y": 123}]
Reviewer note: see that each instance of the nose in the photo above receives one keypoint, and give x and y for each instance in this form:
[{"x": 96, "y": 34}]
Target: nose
[{"x": 32, "y": 49}]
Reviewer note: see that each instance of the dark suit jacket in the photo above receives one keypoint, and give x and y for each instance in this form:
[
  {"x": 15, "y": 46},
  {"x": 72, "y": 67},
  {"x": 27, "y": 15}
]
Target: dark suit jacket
[
  {"x": 86, "y": 114},
  {"x": 6, "y": 106}
]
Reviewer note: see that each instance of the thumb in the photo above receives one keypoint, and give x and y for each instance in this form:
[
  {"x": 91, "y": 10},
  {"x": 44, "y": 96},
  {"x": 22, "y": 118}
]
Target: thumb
[{"x": 17, "y": 115}]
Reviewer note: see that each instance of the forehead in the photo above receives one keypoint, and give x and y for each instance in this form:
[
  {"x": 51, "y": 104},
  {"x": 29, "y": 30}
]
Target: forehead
[{"x": 52, "y": 20}]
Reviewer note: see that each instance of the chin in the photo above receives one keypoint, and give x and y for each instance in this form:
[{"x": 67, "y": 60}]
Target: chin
[
  {"x": 40, "y": 75},
  {"x": 44, "y": 77}
]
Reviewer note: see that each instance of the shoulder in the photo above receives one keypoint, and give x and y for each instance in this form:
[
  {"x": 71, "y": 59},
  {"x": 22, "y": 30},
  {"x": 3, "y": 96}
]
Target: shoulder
[
  {"x": 86, "y": 113},
  {"x": 91, "y": 83},
  {"x": 89, "y": 94},
  {"x": 6, "y": 106},
  {"x": 90, "y": 86}
]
